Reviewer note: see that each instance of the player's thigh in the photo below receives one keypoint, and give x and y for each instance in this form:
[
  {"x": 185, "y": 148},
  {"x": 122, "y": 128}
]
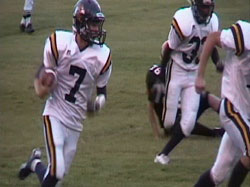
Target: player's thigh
[
  {"x": 54, "y": 138},
  {"x": 70, "y": 148},
  {"x": 227, "y": 156},
  {"x": 236, "y": 125},
  {"x": 174, "y": 84},
  {"x": 189, "y": 105},
  {"x": 171, "y": 104}
]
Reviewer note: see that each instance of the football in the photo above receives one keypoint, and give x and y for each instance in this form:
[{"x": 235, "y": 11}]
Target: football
[{"x": 48, "y": 77}]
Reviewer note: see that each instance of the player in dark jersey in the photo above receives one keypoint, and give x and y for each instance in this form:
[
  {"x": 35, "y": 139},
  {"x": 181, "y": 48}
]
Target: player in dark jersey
[{"x": 155, "y": 82}]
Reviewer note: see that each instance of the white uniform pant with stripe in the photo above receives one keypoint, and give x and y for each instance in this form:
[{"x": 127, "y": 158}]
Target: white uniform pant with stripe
[
  {"x": 235, "y": 142},
  {"x": 61, "y": 144},
  {"x": 28, "y": 5},
  {"x": 180, "y": 85}
]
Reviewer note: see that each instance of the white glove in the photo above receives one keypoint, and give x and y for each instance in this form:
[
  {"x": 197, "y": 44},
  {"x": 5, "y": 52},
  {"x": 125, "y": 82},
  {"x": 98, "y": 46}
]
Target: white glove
[{"x": 98, "y": 104}]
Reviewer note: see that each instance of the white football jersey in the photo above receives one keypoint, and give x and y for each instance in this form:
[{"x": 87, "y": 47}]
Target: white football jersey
[
  {"x": 78, "y": 72},
  {"x": 236, "y": 75},
  {"x": 186, "y": 37}
]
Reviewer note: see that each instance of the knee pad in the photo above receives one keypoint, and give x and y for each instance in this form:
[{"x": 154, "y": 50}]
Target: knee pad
[
  {"x": 218, "y": 177},
  {"x": 220, "y": 172},
  {"x": 168, "y": 123},
  {"x": 188, "y": 123},
  {"x": 187, "y": 129},
  {"x": 60, "y": 174}
]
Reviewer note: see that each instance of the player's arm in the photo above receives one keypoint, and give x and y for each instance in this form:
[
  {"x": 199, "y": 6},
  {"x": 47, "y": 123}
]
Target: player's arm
[
  {"x": 44, "y": 81},
  {"x": 101, "y": 90},
  {"x": 214, "y": 102},
  {"x": 98, "y": 103},
  {"x": 216, "y": 60},
  {"x": 212, "y": 41},
  {"x": 45, "y": 77},
  {"x": 165, "y": 53},
  {"x": 101, "y": 97},
  {"x": 153, "y": 120}
]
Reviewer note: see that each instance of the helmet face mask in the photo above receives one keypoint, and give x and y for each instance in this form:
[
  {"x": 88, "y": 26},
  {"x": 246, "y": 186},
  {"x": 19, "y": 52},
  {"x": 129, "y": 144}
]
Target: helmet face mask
[
  {"x": 202, "y": 10},
  {"x": 88, "y": 21}
]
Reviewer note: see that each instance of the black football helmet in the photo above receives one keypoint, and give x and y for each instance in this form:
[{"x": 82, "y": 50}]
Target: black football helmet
[
  {"x": 88, "y": 20},
  {"x": 202, "y": 10}
]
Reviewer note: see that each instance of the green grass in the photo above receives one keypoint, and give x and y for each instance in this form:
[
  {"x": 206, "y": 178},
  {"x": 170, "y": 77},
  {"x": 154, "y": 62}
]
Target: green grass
[{"x": 117, "y": 147}]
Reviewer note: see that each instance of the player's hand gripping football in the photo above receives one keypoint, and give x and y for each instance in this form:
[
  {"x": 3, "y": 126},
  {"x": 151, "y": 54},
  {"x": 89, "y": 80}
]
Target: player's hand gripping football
[
  {"x": 48, "y": 77},
  {"x": 45, "y": 82}
]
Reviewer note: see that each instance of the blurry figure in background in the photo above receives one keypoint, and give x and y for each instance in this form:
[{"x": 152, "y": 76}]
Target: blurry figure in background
[
  {"x": 155, "y": 82},
  {"x": 26, "y": 21}
]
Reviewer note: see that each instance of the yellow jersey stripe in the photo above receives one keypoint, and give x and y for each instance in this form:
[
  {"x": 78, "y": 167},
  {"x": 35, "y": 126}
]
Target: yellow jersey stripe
[
  {"x": 238, "y": 39},
  {"x": 178, "y": 29},
  {"x": 53, "y": 46},
  {"x": 51, "y": 145},
  {"x": 107, "y": 64},
  {"x": 240, "y": 123}
]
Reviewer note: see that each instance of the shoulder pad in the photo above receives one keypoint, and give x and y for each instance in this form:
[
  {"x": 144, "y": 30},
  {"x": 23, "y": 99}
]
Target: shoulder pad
[
  {"x": 245, "y": 27},
  {"x": 183, "y": 22},
  {"x": 58, "y": 41},
  {"x": 214, "y": 22},
  {"x": 104, "y": 56},
  {"x": 63, "y": 36}
]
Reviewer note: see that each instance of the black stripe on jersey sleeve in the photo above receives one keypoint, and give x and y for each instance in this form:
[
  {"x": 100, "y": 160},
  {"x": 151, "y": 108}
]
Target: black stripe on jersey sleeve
[{"x": 238, "y": 39}]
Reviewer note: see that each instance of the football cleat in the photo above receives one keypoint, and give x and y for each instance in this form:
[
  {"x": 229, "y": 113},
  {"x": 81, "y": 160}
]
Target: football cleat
[
  {"x": 162, "y": 159},
  {"x": 25, "y": 169},
  {"x": 22, "y": 27},
  {"x": 22, "y": 24},
  {"x": 29, "y": 28}
]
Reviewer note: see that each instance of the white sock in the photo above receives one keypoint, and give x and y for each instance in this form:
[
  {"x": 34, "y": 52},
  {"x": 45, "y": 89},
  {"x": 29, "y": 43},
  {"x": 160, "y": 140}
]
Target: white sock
[{"x": 34, "y": 163}]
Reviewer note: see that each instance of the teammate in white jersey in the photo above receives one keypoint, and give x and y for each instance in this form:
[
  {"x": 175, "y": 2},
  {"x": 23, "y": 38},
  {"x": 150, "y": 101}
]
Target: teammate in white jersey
[
  {"x": 26, "y": 21},
  {"x": 180, "y": 54},
  {"x": 77, "y": 62},
  {"x": 155, "y": 81},
  {"x": 235, "y": 105}
]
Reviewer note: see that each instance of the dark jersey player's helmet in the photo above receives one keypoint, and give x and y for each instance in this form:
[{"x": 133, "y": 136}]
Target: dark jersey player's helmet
[
  {"x": 202, "y": 10},
  {"x": 88, "y": 15}
]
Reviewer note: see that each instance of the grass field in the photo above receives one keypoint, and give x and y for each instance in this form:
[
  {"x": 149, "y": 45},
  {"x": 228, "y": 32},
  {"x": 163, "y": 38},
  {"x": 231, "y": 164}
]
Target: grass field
[{"x": 117, "y": 147}]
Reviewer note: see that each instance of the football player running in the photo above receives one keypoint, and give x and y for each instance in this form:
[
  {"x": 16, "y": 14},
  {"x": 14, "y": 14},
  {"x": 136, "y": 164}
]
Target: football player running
[
  {"x": 189, "y": 29},
  {"x": 235, "y": 106},
  {"x": 155, "y": 81},
  {"x": 78, "y": 61}
]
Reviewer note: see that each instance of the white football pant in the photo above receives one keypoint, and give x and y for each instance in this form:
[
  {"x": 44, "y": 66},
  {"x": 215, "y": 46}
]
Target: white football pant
[
  {"x": 180, "y": 84},
  {"x": 28, "y": 6},
  {"x": 61, "y": 144},
  {"x": 234, "y": 143}
]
